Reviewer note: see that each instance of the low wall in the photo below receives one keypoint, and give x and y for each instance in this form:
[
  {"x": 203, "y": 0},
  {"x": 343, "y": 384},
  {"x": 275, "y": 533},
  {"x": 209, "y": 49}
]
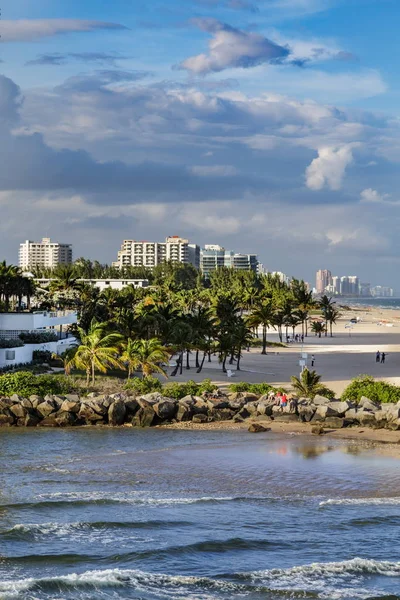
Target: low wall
[{"x": 23, "y": 355}]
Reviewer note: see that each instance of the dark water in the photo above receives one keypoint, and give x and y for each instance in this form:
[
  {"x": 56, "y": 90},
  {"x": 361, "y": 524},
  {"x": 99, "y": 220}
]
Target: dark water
[
  {"x": 393, "y": 303},
  {"x": 124, "y": 514}
]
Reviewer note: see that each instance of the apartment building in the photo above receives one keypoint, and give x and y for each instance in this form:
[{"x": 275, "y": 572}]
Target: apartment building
[
  {"x": 151, "y": 254},
  {"x": 44, "y": 254},
  {"x": 214, "y": 257},
  {"x": 323, "y": 280}
]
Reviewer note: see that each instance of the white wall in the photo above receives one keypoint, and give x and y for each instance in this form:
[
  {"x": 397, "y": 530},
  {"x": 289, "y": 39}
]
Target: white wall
[
  {"x": 32, "y": 321},
  {"x": 24, "y": 353}
]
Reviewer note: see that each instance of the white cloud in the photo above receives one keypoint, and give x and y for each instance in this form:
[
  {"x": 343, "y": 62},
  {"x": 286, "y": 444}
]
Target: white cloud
[
  {"x": 370, "y": 195},
  {"x": 329, "y": 168},
  {"x": 230, "y": 48},
  {"x": 23, "y": 30}
]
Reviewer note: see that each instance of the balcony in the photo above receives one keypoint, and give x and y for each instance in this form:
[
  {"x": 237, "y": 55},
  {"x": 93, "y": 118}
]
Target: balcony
[{"x": 36, "y": 320}]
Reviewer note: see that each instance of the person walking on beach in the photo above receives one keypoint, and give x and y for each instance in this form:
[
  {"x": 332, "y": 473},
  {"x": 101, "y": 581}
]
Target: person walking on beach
[
  {"x": 378, "y": 357},
  {"x": 312, "y": 360},
  {"x": 383, "y": 358}
]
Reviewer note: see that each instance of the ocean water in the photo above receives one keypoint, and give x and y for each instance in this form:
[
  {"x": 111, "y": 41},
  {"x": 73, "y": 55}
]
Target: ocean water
[
  {"x": 93, "y": 514},
  {"x": 391, "y": 303}
]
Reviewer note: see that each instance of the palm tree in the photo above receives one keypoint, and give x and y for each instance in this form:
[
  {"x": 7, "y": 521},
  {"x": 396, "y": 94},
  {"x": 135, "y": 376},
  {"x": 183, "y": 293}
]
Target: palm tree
[
  {"x": 263, "y": 316},
  {"x": 308, "y": 385},
  {"x": 147, "y": 356},
  {"x": 318, "y": 328},
  {"x": 242, "y": 337},
  {"x": 303, "y": 300},
  {"x": 326, "y": 304},
  {"x": 98, "y": 351},
  {"x": 331, "y": 315}
]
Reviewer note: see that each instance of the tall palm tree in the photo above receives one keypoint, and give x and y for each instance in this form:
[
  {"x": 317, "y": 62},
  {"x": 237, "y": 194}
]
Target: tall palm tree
[
  {"x": 147, "y": 356},
  {"x": 326, "y": 304},
  {"x": 308, "y": 385},
  {"x": 304, "y": 301},
  {"x": 262, "y": 315},
  {"x": 331, "y": 315},
  {"x": 98, "y": 351},
  {"x": 318, "y": 328}
]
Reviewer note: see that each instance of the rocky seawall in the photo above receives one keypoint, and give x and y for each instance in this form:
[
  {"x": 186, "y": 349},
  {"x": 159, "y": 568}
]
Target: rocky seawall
[{"x": 156, "y": 409}]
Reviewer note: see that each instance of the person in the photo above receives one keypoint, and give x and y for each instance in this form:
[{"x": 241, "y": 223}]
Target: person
[
  {"x": 283, "y": 400},
  {"x": 378, "y": 357},
  {"x": 302, "y": 338},
  {"x": 383, "y": 358},
  {"x": 312, "y": 360}
]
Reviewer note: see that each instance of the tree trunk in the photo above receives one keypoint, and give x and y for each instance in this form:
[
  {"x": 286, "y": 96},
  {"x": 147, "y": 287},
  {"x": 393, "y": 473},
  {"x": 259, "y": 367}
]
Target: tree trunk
[
  {"x": 181, "y": 364},
  {"x": 93, "y": 378},
  {"x": 223, "y": 363},
  {"x": 209, "y": 356},
  {"x": 326, "y": 328},
  {"x": 187, "y": 359},
  {"x": 238, "y": 358},
  {"x": 264, "y": 334},
  {"x": 197, "y": 359},
  {"x": 87, "y": 376},
  {"x": 202, "y": 363}
]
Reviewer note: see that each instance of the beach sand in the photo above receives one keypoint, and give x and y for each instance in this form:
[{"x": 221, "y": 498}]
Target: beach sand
[{"x": 349, "y": 353}]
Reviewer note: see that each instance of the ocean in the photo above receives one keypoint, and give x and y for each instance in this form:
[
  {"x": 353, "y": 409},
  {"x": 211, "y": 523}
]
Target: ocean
[
  {"x": 393, "y": 303},
  {"x": 93, "y": 514}
]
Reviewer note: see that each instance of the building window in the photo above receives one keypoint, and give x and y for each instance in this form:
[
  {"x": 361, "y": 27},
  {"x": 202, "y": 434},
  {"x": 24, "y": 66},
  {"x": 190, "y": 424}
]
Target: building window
[{"x": 10, "y": 354}]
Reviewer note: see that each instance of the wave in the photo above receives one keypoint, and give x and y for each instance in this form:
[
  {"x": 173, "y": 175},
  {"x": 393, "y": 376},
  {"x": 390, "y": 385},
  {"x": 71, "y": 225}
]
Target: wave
[
  {"x": 31, "y": 531},
  {"x": 360, "y": 501},
  {"x": 319, "y": 580}
]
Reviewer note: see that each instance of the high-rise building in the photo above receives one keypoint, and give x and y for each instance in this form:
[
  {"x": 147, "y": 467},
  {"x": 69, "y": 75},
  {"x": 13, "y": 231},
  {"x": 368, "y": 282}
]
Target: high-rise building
[
  {"x": 365, "y": 290},
  {"x": 336, "y": 285},
  {"x": 323, "y": 280},
  {"x": 354, "y": 284},
  {"x": 380, "y": 291},
  {"x": 214, "y": 257},
  {"x": 44, "y": 254},
  {"x": 151, "y": 254}
]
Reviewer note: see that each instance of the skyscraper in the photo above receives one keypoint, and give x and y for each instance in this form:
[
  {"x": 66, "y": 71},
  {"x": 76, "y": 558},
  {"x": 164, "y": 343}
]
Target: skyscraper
[
  {"x": 151, "y": 254},
  {"x": 323, "y": 280}
]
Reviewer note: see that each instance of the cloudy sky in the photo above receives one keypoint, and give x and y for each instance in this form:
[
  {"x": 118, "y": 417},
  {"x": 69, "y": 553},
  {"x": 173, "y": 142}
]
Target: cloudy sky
[{"x": 267, "y": 126}]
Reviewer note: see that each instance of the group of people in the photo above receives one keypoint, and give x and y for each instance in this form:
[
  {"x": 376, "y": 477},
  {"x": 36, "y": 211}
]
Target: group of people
[
  {"x": 297, "y": 338},
  {"x": 281, "y": 400},
  {"x": 380, "y": 357}
]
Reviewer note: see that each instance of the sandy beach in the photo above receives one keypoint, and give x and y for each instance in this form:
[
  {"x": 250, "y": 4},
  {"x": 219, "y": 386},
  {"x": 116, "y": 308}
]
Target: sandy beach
[{"x": 349, "y": 353}]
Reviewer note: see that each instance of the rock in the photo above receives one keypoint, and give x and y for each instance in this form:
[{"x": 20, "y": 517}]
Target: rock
[
  {"x": 243, "y": 413},
  {"x": 93, "y": 395},
  {"x": 323, "y": 411},
  {"x": 367, "y": 404},
  {"x": 116, "y": 413},
  {"x": 31, "y": 420},
  {"x": 46, "y": 408},
  {"x": 393, "y": 425},
  {"x": 318, "y": 430},
  {"x": 36, "y": 400},
  {"x": 321, "y": 400},
  {"x": 152, "y": 398},
  {"x": 334, "y": 422},
  {"x": 238, "y": 419},
  {"x": 392, "y": 411},
  {"x": 217, "y": 403},
  {"x": 50, "y": 421},
  {"x": 144, "y": 417},
  {"x": 26, "y": 403},
  {"x": 18, "y": 411},
  {"x": 200, "y": 407},
  {"x": 351, "y": 413},
  {"x": 70, "y": 406},
  {"x": 265, "y": 408},
  {"x": 185, "y": 412},
  {"x": 72, "y": 397},
  {"x": 200, "y": 418},
  {"x": 65, "y": 419},
  {"x": 131, "y": 406},
  {"x": 306, "y": 413},
  {"x": 16, "y": 398},
  {"x": 222, "y": 414},
  {"x": 98, "y": 407},
  {"x": 366, "y": 418},
  {"x": 5, "y": 403},
  {"x": 382, "y": 416},
  {"x": 257, "y": 428},
  {"x": 165, "y": 410},
  {"x": 6, "y": 419},
  {"x": 88, "y": 414},
  {"x": 343, "y": 407},
  {"x": 286, "y": 418}
]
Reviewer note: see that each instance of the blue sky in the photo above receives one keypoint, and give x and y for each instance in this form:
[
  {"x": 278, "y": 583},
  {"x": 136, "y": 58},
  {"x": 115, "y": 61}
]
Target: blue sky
[{"x": 264, "y": 125}]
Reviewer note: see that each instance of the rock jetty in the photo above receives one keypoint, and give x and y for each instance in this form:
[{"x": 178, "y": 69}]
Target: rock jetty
[{"x": 156, "y": 409}]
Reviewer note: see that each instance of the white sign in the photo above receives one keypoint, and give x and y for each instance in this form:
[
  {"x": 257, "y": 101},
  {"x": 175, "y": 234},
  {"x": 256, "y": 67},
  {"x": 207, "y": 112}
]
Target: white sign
[
  {"x": 304, "y": 355},
  {"x": 302, "y": 363}
]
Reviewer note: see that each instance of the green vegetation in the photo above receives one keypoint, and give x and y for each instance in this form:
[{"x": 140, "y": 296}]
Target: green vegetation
[
  {"x": 377, "y": 391},
  {"x": 36, "y": 337},
  {"x": 11, "y": 343},
  {"x": 26, "y": 383},
  {"x": 309, "y": 385},
  {"x": 253, "y": 388}
]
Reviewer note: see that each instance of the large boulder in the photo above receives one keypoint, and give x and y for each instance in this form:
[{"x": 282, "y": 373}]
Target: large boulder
[
  {"x": 131, "y": 406},
  {"x": 222, "y": 414},
  {"x": 200, "y": 407},
  {"x": 50, "y": 421},
  {"x": 18, "y": 411},
  {"x": 335, "y": 422},
  {"x": 16, "y": 398},
  {"x": 116, "y": 413},
  {"x": 264, "y": 407},
  {"x": 286, "y": 417},
  {"x": 393, "y": 425},
  {"x": 351, "y": 414},
  {"x": 249, "y": 397},
  {"x": 323, "y": 411},
  {"x": 6, "y": 418},
  {"x": 26, "y": 403},
  {"x": 65, "y": 419},
  {"x": 217, "y": 403},
  {"x": 252, "y": 407},
  {"x": 306, "y": 413},
  {"x": 257, "y": 428},
  {"x": 185, "y": 411},
  {"x": 321, "y": 400},
  {"x": 88, "y": 414},
  {"x": 152, "y": 398},
  {"x": 46, "y": 408},
  {"x": 31, "y": 420},
  {"x": 36, "y": 400},
  {"x": 200, "y": 418},
  {"x": 366, "y": 418},
  {"x": 165, "y": 409},
  {"x": 144, "y": 417},
  {"x": 367, "y": 404},
  {"x": 71, "y": 406}
]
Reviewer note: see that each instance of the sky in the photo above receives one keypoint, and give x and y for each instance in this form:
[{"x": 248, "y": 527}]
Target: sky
[{"x": 267, "y": 126}]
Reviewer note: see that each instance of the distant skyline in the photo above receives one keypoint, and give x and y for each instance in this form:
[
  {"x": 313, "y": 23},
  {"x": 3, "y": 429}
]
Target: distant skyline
[{"x": 267, "y": 126}]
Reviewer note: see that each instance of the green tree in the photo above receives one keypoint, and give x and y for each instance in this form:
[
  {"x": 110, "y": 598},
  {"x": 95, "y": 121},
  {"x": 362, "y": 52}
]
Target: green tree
[
  {"x": 309, "y": 384},
  {"x": 147, "y": 356},
  {"x": 262, "y": 316},
  {"x": 318, "y": 328},
  {"x": 98, "y": 351}
]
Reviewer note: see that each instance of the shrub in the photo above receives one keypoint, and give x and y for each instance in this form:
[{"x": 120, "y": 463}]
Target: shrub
[
  {"x": 253, "y": 388},
  {"x": 143, "y": 386},
  {"x": 38, "y": 337},
  {"x": 42, "y": 355},
  {"x": 25, "y": 383},
  {"x": 377, "y": 391},
  {"x": 189, "y": 388},
  {"x": 11, "y": 343}
]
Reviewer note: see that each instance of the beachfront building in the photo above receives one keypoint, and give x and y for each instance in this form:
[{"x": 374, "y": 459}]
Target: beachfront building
[
  {"x": 281, "y": 276},
  {"x": 323, "y": 280},
  {"x": 12, "y": 325},
  {"x": 151, "y": 254},
  {"x": 213, "y": 256},
  {"x": 46, "y": 253},
  {"x": 380, "y": 291},
  {"x": 102, "y": 284}
]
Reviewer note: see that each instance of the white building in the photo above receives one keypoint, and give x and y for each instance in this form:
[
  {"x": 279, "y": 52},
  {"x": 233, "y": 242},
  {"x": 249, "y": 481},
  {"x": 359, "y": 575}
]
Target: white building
[
  {"x": 13, "y": 324},
  {"x": 103, "y": 284},
  {"x": 214, "y": 257},
  {"x": 152, "y": 254},
  {"x": 44, "y": 254}
]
